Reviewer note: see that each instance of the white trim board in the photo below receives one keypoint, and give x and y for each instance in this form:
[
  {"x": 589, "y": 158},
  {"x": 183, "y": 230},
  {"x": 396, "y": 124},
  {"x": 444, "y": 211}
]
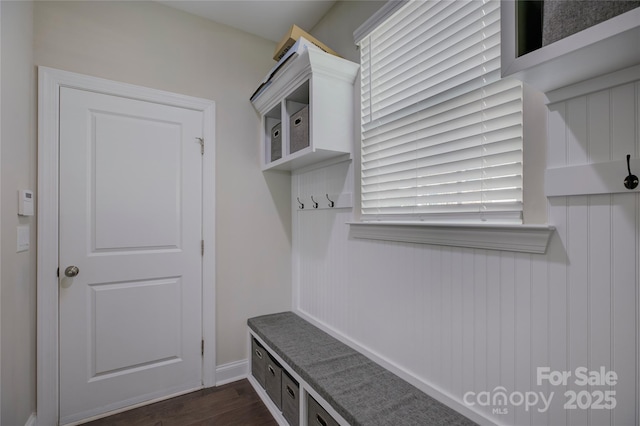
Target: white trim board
[
  {"x": 0, "y": 214},
  {"x": 384, "y": 13},
  {"x": 588, "y": 179},
  {"x": 518, "y": 238},
  {"x": 131, "y": 407},
  {"x": 232, "y": 372},
  {"x": 49, "y": 83},
  {"x": 595, "y": 84}
]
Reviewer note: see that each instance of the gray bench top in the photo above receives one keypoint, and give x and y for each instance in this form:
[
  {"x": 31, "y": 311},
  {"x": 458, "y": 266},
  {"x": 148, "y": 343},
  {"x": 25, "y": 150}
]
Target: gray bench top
[{"x": 361, "y": 391}]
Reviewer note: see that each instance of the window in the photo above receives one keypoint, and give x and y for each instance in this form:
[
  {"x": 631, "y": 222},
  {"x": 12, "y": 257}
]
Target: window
[{"x": 441, "y": 132}]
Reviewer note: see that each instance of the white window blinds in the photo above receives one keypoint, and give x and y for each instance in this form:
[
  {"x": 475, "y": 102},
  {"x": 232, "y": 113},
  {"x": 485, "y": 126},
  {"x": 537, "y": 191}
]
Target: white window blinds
[{"x": 441, "y": 132}]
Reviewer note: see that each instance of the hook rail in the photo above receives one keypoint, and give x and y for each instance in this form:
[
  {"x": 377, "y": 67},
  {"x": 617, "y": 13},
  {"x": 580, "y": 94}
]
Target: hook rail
[{"x": 331, "y": 203}]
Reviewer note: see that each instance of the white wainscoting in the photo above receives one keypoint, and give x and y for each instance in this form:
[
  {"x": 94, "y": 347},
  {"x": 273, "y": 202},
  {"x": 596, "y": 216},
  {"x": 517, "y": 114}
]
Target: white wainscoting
[{"x": 456, "y": 320}]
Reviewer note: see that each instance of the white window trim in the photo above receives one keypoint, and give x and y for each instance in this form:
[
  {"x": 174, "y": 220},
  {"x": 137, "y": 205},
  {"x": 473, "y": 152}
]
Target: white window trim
[
  {"x": 524, "y": 238},
  {"x": 377, "y": 18},
  {"x": 518, "y": 238}
]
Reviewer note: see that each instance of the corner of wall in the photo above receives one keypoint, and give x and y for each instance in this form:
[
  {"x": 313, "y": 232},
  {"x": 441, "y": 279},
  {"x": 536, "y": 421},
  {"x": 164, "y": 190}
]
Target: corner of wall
[{"x": 17, "y": 275}]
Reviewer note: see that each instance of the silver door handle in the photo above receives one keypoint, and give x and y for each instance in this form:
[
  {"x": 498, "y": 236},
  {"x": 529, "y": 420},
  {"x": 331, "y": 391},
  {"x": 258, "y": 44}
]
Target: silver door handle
[{"x": 71, "y": 271}]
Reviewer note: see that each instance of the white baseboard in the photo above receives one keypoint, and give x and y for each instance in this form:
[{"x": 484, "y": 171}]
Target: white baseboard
[
  {"x": 232, "y": 372},
  {"x": 32, "y": 420}
]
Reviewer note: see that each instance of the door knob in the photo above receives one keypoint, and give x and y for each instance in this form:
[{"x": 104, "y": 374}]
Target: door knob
[{"x": 71, "y": 271}]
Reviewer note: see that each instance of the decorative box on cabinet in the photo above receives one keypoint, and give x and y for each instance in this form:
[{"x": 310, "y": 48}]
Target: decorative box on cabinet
[
  {"x": 323, "y": 85},
  {"x": 601, "y": 49}
]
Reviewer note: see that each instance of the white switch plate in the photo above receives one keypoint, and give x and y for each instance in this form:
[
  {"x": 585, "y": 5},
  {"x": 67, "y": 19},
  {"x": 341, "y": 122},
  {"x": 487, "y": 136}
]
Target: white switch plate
[
  {"x": 23, "y": 238},
  {"x": 25, "y": 202}
]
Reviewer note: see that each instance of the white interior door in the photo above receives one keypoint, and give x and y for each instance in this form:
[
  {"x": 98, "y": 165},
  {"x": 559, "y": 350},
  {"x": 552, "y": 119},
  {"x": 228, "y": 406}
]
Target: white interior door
[{"x": 131, "y": 222}]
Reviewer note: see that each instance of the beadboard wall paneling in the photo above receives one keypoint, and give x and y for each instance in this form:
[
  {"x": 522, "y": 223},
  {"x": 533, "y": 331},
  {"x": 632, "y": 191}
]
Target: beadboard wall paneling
[{"x": 459, "y": 319}]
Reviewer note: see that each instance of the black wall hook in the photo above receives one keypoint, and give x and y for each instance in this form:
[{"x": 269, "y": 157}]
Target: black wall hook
[
  {"x": 631, "y": 181},
  {"x": 300, "y": 202},
  {"x": 315, "y": 204},
  {"x": 331, "y": 203}
]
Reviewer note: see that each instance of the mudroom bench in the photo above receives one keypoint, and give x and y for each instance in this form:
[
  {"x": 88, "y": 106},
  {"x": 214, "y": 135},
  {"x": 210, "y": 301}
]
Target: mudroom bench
[{"x": 307, "y": 377}]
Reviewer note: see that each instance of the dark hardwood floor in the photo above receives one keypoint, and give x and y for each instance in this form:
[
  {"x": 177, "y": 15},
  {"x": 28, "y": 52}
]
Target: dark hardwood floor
[{"x": 233, "y": 404}]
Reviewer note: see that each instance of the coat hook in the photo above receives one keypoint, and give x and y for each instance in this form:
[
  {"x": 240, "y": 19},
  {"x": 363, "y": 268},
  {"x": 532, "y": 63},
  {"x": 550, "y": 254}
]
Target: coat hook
[
  {"x": 631, "y": 181},
  {"x": 331, "y": 203},
  {"x": 315, "y": 204},
  {"x": 300, "y": 202}
]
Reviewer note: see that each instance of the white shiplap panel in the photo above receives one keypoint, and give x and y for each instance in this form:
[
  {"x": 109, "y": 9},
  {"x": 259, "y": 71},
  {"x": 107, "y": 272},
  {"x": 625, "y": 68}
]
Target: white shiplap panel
[
  {"x": 470, "y": 320},
  {"x": 637, "y": 281},
  {"x": 481, "y": 296},
  {"x": 507, "y": 327},
  {"x": 409, "y": 342},
  {"x": 599, "y": 129},
  {"x": 523, "y": 350},
  {"x": 624, "y": 124},
  {"x": 556, "y": 135},
  {"x": 637, "y": 90},
  {"x": 558, "y": 336},
  {"x": 457, "y": 330},
  {"x": 468, "y": 306},
  {"x": 578, "y": 295},
  {"x": 434, "y": 280},
  {"x": 576, "y": 238},
  {"x": 599, "y": 272},
  {"x": 415, "y": 333},
  {"x": 388, "y": 273},
  {"x": 540, "y": 328},
  {"x": 422, "y": 268},
  {"x": 446, "y": 318},
  {"x": 494, "y": 322},
  {"x": 624, "y": 287},
  {"x": 576, "y": 119},
  {"x": 624, "y": 119}
]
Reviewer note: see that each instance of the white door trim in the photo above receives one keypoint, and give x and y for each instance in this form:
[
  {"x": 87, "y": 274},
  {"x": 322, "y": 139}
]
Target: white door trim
[
  {"x": 0, "y": 214},
  {"x": 49, "y": 83}
]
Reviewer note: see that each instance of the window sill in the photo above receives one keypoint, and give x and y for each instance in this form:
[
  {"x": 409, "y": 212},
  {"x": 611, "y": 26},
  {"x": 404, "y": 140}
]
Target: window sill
[{"x": 519, "y": 238}]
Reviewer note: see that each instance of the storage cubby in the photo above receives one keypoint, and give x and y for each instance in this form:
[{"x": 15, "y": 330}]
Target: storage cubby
[
  {"x": 288, "y": 397},
  {"x": 273, "y": 140},
  {"x": 316, "y": 89},
  {"x": 600, "y": 49},
  {"x": 297, "y": 118}
]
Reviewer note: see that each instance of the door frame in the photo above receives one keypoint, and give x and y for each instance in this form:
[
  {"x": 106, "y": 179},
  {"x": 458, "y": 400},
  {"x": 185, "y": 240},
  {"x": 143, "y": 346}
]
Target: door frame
[{"x": 50, "y": 81}]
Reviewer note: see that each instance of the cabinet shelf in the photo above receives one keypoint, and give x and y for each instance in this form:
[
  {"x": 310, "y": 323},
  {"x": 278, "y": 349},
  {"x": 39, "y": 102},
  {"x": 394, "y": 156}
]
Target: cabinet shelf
[
  {"x": 606, "y": 47},
  {"x": 315, "y": 88}
]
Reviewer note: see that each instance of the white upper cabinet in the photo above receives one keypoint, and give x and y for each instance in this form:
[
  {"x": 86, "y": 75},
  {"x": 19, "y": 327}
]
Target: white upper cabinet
[
  {"x": 603, "y": 48},
  {"x": 307, "y": 111}
]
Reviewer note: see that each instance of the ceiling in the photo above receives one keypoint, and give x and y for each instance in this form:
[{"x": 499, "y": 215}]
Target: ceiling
[{"x": 269, "y": 19}]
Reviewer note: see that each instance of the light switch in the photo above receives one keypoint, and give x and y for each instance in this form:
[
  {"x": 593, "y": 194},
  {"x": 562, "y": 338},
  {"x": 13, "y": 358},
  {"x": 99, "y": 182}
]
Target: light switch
[
  {"x": 25, "y": 202},
  {"x": 23, "y": 238}
]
